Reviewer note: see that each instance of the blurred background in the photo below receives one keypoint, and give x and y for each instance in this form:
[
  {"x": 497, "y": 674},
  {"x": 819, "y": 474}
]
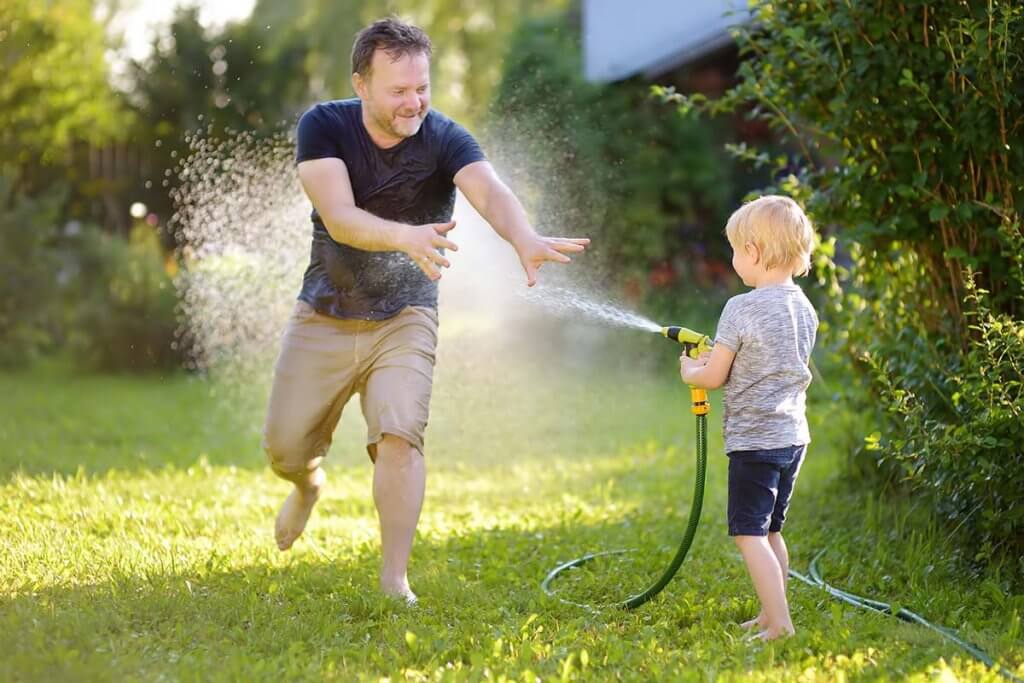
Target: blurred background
[
  {"x": 104, "y": 103},
  {"x": 150, "y": 220}
]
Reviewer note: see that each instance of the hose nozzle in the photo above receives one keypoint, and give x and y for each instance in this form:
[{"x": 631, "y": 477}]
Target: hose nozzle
[{"x": 693, "y": 343}]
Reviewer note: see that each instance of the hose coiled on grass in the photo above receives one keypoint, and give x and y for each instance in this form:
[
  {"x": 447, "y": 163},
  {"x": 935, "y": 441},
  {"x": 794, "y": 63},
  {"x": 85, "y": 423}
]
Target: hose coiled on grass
[{"x": 684, "y": 546}]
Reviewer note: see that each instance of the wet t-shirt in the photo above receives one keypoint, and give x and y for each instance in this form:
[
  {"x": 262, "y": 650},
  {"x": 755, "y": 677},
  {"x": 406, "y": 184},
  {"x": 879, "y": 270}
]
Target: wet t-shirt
[{"x": 410, "y": 183}]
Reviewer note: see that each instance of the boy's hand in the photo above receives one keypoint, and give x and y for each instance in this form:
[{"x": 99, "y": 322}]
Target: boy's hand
[{"x": 688, "y": 365}]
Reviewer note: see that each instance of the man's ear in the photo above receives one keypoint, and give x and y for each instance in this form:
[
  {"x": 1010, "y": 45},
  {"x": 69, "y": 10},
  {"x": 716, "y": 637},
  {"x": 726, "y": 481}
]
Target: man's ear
[
  {"x": 753, "y": 252},
  {"x": 359, "y": 85}
]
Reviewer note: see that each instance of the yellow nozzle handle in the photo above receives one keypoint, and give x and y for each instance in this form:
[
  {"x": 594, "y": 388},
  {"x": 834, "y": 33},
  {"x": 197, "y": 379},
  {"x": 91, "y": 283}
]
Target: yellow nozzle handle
[{"x": 695, "y": 343}]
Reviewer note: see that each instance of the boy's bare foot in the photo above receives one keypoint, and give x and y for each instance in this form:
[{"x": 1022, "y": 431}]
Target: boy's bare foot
[
  {"x": 760, "y": 620},
  {"x": 291, "y": 520},
  {"x": 773, "y": 632},
  {"x": 399, "y": 590},
  {"x": 407, "y": 597}
]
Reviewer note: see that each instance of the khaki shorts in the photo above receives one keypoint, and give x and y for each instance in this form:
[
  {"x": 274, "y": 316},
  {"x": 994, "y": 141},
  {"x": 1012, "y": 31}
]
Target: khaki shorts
[{"x": 324, "y": 361}]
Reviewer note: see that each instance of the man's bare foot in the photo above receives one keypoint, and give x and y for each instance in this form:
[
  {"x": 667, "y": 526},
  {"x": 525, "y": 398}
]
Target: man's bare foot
[
  {"x": 759, "y": 621},
  {"x": 291, "y": 520}
]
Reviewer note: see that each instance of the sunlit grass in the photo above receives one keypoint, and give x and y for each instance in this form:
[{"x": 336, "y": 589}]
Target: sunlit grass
[{"x": 136, "y": 516}]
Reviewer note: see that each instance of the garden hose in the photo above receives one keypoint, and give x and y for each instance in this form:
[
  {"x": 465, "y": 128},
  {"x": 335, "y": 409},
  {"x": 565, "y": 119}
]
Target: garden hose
[
  {"x": 902, "y": 613},
  {"x": 693, "y": 344}
]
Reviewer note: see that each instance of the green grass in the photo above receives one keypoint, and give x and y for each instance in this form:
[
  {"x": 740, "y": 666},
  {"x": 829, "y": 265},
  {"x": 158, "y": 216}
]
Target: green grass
[{"x": 136, "y": 535}]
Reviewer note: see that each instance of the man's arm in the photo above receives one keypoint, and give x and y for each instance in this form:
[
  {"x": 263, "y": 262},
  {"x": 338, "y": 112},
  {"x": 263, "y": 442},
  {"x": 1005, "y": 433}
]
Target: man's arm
[
  {"x": 502, "y": 210},
  {"x": 328, "y": 186}
]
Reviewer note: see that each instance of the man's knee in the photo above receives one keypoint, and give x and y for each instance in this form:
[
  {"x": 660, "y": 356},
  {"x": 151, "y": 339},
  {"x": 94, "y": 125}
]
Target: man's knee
[
  {"x": 289, "y": 455},
  {"x": 396, "y": 450}
]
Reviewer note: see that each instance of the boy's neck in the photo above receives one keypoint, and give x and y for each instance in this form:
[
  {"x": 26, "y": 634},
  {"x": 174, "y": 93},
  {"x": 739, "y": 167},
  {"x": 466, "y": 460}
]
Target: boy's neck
[{"x": 774, "y": 278}]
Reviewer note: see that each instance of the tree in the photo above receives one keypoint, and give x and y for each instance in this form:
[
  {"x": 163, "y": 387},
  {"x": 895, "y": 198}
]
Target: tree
[{"x": 54, "y": 91}]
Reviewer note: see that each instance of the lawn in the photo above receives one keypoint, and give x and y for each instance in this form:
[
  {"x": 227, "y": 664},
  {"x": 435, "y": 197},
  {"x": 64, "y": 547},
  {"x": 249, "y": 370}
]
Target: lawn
[{"x": 136, "y": 529}]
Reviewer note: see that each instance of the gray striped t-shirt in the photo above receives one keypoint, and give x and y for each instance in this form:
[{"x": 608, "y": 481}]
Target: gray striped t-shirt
[{"x": 772, "y": 330}]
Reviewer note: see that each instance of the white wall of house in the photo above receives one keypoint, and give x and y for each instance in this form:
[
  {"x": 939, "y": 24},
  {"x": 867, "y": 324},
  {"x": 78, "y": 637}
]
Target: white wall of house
[{"x": 622, "y": 38}]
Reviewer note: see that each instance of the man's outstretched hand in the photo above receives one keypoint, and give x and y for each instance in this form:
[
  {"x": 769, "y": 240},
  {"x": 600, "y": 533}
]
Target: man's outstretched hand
[
  {"x": 539, "y": 250},
  {"x": 422, "y": 242}
]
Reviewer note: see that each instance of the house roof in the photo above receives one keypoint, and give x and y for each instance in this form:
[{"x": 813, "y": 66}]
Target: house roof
[{"x": 622, "y": 38}]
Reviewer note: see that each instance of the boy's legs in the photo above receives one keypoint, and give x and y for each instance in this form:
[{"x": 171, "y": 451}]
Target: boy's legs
[
  {"x": 778, "y": 545},
  {"x": 769, "y": 583},
  {"x": 753, "y": 496},
  {"x": 787, "y": 481}
]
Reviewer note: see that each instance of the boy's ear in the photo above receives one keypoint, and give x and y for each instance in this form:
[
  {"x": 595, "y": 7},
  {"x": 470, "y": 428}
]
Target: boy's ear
[{"x": 753, "y": 252}]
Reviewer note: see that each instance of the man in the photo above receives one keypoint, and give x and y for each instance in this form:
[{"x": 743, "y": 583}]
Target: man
[{"x": 381, "y": 171}]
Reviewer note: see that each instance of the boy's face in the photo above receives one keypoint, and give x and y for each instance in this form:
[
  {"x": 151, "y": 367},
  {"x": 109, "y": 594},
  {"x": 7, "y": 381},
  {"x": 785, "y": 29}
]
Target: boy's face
[{"x": 745, "y": 258}]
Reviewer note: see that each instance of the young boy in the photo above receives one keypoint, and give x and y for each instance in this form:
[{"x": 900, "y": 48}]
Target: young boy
[{"x": 760, "y": 357}]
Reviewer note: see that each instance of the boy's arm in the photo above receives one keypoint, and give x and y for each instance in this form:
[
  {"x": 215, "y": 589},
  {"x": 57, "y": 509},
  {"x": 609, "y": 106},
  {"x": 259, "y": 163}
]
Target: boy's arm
[{"x": 708, "y": 371}]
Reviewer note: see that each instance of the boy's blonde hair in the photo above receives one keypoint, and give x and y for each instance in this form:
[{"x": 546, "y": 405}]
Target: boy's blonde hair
[{"x": 779, "y": 229}]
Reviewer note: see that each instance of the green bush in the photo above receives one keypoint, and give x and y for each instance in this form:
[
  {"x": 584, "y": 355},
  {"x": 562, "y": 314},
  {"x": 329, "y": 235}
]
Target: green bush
[
  {"x": 908, "y": 119},
  {"x": 123, "y": 310},
  {"x": 28, "y": 273},
  {"x": 969, "y": 453}
]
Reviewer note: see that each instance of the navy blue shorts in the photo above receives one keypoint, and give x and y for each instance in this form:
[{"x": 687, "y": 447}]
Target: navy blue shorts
[{"x": 760, "y": 486}]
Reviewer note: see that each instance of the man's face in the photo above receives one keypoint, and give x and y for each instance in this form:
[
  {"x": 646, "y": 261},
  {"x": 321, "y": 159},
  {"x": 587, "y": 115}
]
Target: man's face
[{"x": 396, "y": 94}]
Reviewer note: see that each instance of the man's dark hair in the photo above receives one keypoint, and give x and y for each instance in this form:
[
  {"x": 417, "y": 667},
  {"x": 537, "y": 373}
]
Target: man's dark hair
[{"x": 392, "y": 35}]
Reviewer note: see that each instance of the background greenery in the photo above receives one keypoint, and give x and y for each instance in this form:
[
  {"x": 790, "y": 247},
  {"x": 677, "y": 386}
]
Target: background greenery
[{"x": 906, "y": 119}]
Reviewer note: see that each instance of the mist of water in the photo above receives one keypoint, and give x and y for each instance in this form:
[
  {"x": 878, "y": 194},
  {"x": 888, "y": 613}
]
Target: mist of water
[{"x": 243, "y": 222}]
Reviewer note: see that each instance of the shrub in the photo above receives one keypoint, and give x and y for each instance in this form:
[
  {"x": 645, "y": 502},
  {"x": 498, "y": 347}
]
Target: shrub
[
  {"x": 28, "y": 272},
  {"x": 123, "y": 313},
  {"x": 907, "y": 117}
]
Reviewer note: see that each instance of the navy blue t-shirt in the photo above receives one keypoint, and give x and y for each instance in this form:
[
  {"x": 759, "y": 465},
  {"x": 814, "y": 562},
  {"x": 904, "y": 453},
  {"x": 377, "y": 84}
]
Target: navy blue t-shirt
[{"x": 410, "y": 183}]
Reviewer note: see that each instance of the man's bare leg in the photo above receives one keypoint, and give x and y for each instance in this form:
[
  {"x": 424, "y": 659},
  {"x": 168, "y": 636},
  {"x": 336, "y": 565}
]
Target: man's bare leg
[
  {"x": 778, "y": 545},
  {"x": 291, "y": 520},
  {"x": 399, "y": 480}
]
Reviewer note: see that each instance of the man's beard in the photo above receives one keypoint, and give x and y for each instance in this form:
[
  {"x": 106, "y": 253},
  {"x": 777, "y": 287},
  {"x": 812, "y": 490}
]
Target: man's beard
[{"x": 388, "y": 126}]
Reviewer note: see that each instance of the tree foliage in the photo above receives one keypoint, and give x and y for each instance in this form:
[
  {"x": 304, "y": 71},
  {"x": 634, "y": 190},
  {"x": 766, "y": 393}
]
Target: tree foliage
[
  {"x": 54, "y": 89},
  {"x": 470, "y": 38}
]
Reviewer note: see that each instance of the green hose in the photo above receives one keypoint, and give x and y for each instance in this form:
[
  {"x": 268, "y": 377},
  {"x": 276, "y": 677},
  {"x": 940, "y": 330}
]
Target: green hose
[
  {"x": 684, "y": 546},
  {"x": 902, "y": 613}
]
